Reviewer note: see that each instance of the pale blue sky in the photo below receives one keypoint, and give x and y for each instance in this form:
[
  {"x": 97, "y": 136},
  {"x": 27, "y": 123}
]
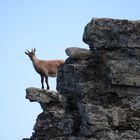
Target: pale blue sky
[{"x": 50, "y": 26}]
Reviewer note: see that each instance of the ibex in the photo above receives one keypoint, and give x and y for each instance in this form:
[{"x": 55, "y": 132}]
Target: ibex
[{"x": 46, "y": 68}]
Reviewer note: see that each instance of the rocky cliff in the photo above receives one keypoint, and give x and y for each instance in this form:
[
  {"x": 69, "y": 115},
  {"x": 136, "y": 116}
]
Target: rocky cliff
[{"x": 99, "y": 88}]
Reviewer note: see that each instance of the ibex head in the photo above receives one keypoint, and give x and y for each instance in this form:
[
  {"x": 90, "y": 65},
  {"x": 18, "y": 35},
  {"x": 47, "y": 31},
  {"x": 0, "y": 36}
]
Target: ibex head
[{"x": 31, "y": 54}]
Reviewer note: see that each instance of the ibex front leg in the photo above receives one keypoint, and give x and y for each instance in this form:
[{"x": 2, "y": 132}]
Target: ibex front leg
[
  {"x": 46, "y": 79},
  {"x": 42, "y": 81}
]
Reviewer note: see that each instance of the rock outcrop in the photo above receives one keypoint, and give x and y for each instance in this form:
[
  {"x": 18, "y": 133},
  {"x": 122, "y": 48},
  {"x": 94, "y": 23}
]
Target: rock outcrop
[
  {"x": 47, "y": 123},
  {"x": 99, "y": 88}
]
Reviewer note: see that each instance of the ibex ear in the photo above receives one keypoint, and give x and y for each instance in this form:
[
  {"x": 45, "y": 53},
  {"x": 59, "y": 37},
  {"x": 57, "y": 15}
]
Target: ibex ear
[{"x": 34, "y": 49}]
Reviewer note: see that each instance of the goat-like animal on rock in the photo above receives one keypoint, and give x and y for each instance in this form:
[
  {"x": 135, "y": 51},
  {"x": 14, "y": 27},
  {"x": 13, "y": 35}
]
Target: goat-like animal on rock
[{"x": 46, "y": 68}]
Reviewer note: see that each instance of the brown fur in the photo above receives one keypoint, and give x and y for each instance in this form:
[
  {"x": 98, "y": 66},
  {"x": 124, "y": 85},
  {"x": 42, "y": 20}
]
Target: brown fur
[{"x": 48, "y": 68}]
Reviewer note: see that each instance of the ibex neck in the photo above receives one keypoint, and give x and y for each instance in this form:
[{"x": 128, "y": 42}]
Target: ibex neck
[{"x": 35, "y": 60}]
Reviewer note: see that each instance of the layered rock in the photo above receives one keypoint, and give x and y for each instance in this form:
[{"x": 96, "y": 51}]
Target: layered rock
[
  {"x": 103, "y": 91},
  {"x": 100, "y": 87}
]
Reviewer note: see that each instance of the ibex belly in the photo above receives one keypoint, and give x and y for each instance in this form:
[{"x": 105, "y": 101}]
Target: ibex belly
[{"x": 52, "y": 74}]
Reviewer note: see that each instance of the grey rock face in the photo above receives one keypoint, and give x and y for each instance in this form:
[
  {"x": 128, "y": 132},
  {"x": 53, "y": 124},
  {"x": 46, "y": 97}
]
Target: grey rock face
[
  {"x": 104, "y": 110},
  {"x": 104, "y": 90},
  {"x": 99, "y": 92},
  {"x": 47, "y": 123},
  {"x": 112, "y": 33},
  {"x": 125, "y": 72}
]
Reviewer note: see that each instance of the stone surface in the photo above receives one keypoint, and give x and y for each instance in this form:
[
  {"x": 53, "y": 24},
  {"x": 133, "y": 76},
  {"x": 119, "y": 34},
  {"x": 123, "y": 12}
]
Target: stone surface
[
  {"x": 47, "y": 123},
  {"x": 104, "y": 90},
  {"x": 112, "y": 33},
  {"x": 42, "y": 96},
  {"x": 125, "y": 72},
  {"x": 78, "y": 53},
  {"x": 105, "y": 110},
  {"x": 99, "y": 97}
]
